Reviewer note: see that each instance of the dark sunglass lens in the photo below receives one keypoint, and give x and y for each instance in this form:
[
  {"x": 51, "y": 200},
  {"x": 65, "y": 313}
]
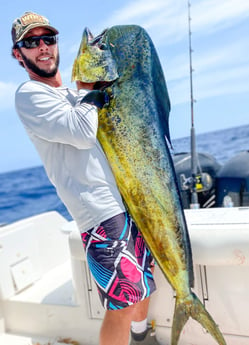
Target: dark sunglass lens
[
  {"x": 31, "y": 42},
  {"x": 34, "y": 41},
  {"x": 49, "y": 40}
]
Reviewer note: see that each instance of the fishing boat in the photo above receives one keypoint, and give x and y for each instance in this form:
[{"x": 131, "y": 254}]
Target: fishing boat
[
  {"x": 216, "y": 185},
  {"x": 47, "y": 295},
  {"x": 203, "y": 182}
]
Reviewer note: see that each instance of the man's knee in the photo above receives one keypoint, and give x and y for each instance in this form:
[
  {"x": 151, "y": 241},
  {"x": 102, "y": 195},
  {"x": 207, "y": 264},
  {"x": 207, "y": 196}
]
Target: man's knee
[{"x": 126, "y": 312}]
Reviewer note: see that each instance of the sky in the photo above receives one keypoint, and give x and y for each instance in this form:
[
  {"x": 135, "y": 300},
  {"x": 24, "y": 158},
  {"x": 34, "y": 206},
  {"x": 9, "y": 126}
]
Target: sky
[{"x": 220, "y": 43}]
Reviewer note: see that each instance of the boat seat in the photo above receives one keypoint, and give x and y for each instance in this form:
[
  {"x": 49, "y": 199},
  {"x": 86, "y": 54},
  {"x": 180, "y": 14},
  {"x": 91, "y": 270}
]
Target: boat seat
[{"x": 28, "y": 249}]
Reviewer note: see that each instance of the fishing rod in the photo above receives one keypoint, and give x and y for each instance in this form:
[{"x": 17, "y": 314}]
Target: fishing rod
[
  {"x": 194, "y": 195},
  {"x": 198, "y": 181}
]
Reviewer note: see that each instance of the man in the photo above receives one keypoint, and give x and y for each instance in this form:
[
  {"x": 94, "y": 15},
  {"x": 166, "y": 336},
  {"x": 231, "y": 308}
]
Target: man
[{"x": 64, "y": 134}]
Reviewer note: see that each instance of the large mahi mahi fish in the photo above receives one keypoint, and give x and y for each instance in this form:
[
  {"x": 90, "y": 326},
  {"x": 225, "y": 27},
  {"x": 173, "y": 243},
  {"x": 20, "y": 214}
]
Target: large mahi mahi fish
[{"x": 132, "y": 131}]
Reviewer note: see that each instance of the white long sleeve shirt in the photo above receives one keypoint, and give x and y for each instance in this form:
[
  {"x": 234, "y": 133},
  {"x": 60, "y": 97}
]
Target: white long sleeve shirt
[{"x": 64, "y": 134}]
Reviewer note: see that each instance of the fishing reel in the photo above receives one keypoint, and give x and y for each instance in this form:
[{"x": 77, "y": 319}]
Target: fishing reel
[{"x": 199, "y": 183}]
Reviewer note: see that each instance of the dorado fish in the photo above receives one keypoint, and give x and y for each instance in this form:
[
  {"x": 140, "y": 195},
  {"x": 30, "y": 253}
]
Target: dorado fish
[{"x": 134, "y": 133}]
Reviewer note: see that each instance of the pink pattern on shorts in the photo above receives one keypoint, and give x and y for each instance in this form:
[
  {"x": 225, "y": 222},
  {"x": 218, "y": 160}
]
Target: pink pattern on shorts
[{"x": 129, "y": 270}]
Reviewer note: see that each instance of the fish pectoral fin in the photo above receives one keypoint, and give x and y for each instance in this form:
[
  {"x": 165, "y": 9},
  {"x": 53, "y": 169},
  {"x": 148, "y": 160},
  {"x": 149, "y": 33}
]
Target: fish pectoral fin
[{"x": 194, "y": 308}]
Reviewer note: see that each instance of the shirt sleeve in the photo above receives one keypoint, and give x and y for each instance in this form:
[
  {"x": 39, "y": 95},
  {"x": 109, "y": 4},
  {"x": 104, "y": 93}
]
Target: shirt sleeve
[{"x": 48, "y": 114}]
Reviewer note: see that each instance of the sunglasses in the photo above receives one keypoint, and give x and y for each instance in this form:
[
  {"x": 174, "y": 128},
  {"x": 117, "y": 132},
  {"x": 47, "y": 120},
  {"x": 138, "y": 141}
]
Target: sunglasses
[{"x": 34, "y": 41}]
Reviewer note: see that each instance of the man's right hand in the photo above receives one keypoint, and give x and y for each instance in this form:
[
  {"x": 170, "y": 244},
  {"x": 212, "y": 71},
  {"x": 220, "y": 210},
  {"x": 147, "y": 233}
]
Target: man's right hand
[{"x": 97, "y": 98}]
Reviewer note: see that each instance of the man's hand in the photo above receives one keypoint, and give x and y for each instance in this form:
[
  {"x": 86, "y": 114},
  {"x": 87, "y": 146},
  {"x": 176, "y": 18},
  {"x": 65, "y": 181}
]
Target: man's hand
[{"x": 97, "y": 98}]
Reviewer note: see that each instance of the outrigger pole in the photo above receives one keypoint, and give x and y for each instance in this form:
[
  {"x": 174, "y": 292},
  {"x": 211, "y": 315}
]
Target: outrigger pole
[{"x": 194, "y": 195}]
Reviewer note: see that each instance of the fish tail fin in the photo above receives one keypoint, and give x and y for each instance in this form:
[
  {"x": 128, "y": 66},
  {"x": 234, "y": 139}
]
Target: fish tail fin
[
  {"x": 194, "y": 308},
  {"x": 179, "y": 320}
]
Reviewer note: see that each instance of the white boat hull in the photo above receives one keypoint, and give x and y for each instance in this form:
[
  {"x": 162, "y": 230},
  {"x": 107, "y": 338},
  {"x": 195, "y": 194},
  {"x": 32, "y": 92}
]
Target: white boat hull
[{"x": 47, "y": 293}]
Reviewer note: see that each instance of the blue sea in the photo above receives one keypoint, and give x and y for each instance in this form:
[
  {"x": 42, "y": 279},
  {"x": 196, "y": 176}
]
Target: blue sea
[{"x": 28, "y": 192}]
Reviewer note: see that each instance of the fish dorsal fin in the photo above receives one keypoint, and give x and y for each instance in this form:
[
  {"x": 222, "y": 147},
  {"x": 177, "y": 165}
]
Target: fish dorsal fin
[
  {"x": 87, "y": 33},
  {"x": 86, "y": 37},
  {"x": 89, "y": 39}
]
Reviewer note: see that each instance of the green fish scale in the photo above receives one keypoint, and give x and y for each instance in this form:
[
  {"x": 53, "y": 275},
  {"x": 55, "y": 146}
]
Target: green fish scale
[
  {"x": 132, "y": 132},
  {"x": 137, "y": 154}
]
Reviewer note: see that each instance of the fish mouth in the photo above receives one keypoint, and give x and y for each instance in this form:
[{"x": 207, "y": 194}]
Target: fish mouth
[{"x": 102, "y": 85}]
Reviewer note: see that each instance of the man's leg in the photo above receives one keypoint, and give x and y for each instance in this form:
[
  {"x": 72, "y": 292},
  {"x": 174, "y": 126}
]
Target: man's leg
[
  {"x": 115, "y": 329},
  {"x": 116, "y": 247},
  {"x": 141, "y": 309},
  {"x": 141, "y": 334},
  {"x": 139, "y": 320}
]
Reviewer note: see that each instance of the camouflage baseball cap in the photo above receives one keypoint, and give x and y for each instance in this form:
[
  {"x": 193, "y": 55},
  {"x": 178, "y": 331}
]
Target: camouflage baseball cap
[{"x": 26, "y": 22}]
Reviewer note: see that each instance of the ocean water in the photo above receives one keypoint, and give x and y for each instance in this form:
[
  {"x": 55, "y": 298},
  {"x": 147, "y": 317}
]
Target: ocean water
[{"x": 27, "y": 192}]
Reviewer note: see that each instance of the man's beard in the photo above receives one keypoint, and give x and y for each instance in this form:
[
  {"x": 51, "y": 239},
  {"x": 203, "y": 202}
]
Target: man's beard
[{"x": 38, "y": 70}]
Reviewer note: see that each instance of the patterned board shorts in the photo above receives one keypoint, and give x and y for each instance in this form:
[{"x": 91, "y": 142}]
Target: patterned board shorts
[{"x": 119, "y": 262}]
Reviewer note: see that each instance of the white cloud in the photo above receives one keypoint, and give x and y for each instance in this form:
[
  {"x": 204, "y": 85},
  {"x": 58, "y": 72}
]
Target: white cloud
[
  {"x": 213, "y": 15},
  {"x": 226, "y": 81},
  {"x": 135, "y": 10},
  {"x": 220, "y": 66},
  {"x": 168, "y": 19},
  {"x": 160, "y": 17},
  {"x": 223, "y": 82}
]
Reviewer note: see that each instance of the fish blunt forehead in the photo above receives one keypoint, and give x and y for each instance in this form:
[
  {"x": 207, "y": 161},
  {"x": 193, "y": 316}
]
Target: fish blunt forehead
[{"x": 94, "y": 64}]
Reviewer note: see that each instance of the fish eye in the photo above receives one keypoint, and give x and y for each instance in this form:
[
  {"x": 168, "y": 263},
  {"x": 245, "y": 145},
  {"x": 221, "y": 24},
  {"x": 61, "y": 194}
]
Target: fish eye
[{"x": 103, "y": 46}]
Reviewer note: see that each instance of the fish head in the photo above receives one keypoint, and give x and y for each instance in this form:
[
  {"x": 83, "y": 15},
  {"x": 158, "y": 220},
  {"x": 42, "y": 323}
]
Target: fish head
[{"x": 94, "y": 62}]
